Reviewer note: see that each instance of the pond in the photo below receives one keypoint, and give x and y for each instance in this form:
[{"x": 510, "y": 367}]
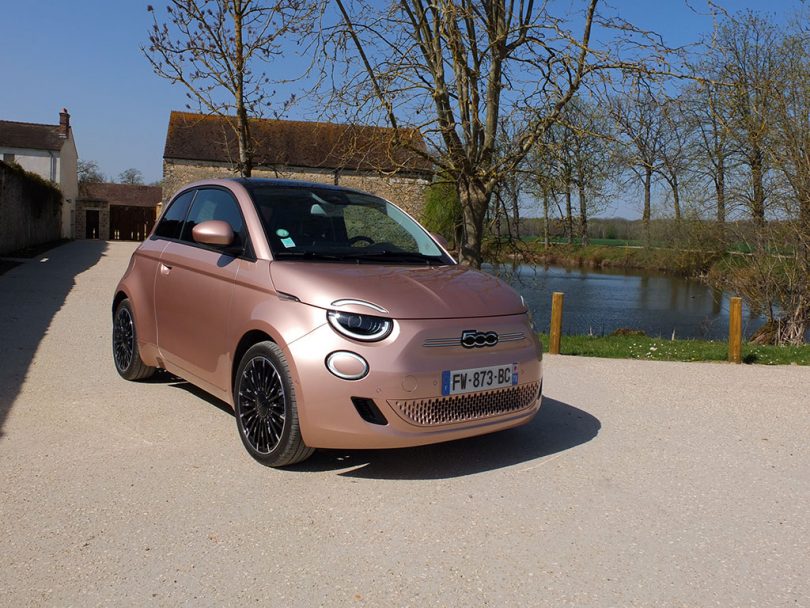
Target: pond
[{"x": 601, "y": 301}]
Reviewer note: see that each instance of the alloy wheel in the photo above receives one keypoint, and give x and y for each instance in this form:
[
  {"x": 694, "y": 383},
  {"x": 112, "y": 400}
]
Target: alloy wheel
[
  {"x": 262, "y": 409},
  {"x": 123, "y": 338}
]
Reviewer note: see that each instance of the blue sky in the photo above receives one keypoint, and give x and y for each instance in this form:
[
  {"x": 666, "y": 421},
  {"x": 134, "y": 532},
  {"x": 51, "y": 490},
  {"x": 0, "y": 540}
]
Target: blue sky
[{"x": 85, "y": 55}]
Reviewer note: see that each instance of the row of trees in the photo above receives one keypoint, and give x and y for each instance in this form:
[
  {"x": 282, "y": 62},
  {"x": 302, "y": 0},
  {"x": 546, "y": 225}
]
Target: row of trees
[
  {"x": 90, "y": 173},
  {"x": 730, "y": 140}
]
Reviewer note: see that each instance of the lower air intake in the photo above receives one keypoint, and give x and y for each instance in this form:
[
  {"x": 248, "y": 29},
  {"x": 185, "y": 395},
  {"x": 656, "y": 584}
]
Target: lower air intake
[{"x": 463, "y": 408}]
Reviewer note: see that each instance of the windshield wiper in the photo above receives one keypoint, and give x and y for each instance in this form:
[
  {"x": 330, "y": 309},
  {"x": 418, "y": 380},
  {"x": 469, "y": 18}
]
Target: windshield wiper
[
  {"x": 307, "y": 255},
  {"x": 404, "y": 257}
]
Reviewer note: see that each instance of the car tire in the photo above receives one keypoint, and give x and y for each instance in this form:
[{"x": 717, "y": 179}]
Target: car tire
[
  {"x": 266, "y": 409},
  {"x": 126, "y": 355}
]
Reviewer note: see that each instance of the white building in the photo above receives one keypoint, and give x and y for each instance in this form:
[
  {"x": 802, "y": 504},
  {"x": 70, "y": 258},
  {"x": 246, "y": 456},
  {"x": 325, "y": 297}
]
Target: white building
[{"x": 50, "y": 152}]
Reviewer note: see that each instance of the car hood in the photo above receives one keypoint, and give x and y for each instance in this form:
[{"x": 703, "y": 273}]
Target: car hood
[{"x": 430, "y": 292}]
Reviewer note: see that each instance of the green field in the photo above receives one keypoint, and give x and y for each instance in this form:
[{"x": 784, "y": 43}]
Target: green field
[{"x": 657, "y": 349}]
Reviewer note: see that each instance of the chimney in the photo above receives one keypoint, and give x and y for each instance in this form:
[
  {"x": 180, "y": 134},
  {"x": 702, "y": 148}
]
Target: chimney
[{"x": 64, "y": 123}]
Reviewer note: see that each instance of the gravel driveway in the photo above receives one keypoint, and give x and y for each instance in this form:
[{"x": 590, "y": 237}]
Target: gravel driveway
[{"x": 638, "y": 484}]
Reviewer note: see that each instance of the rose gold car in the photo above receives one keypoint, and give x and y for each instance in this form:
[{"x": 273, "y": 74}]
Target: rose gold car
[{"x": 327, "y": 318}]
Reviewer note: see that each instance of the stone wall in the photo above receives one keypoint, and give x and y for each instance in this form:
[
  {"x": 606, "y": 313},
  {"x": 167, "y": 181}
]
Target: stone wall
[
  {"x": 30, "y": 210},
  {"x": 406, "y": 192}
]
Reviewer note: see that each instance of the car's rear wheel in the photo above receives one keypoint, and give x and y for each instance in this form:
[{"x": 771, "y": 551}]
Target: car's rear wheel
[
  {"x": 266, "y": 410},
  {"x": 126, "y": 355}
]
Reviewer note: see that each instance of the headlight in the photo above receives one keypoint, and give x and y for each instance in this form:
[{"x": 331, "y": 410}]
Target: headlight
[{"x": 360, "y": 327}]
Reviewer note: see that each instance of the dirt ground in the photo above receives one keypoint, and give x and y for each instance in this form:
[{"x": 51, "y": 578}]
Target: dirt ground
[{"x": 638, "y": 484}]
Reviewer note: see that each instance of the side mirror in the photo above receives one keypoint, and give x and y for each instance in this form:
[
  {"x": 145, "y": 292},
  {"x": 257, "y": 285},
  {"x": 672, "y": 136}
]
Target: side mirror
[
  {"x": 213, "y": 232},
  {"x": 440, "y": 240}
]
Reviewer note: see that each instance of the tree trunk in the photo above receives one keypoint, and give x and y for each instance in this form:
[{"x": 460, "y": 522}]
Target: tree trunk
[
  {"x": 546, "y": 241},
  {"x": 720, "y": 190},
  {"x": 804, "y": 217},
  {"x": 583, "y": 218},
  {"x": 474, "y": 201},
  {"x": 569, "y": 218},
  {"x": 758, "y": 202},
  {"x": 242, "y": 124},
  {"x": 676, "y": 198},
  {"x": 645, "y": 215}
]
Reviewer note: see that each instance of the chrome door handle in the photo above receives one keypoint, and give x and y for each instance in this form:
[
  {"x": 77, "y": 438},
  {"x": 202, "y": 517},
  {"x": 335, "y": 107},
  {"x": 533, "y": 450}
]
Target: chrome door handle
[{"x": 165, "y": 270}]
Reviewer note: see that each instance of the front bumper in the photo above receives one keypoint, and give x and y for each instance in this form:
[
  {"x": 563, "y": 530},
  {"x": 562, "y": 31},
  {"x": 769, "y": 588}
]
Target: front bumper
[{"x": 405, "y": 384}]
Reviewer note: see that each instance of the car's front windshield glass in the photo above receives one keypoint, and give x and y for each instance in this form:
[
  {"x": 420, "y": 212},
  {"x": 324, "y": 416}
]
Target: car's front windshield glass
[{"x": 322, "y": 224}]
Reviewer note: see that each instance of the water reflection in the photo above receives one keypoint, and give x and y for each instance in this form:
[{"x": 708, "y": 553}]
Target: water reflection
[{"x": 602, "y": 301}]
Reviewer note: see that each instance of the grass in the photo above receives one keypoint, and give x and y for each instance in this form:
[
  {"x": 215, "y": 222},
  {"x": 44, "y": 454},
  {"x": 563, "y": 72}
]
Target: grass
[
  {"x": 593, "y": 241},
  {"x": 657, "y": 349}
]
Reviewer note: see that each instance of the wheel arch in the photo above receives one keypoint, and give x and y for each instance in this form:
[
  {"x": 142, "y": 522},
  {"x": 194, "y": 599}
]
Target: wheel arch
[
  {"x": 120, "y": 296},
  {"x": 252, "y": 336}
]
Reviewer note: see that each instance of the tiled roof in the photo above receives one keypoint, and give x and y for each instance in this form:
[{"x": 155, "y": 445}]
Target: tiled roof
[
  {"x": 286, "y": 143},
  {"x": 30, "y": 135},
  {"x": 122, "y": 194}
]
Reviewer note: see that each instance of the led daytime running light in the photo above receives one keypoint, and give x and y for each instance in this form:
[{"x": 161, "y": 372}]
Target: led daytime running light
[{"x": 360, "y": 327}]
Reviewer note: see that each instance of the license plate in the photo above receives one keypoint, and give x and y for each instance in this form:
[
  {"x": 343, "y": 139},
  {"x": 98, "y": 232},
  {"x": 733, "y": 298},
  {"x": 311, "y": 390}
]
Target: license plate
[{"x": 456, "y": 382}]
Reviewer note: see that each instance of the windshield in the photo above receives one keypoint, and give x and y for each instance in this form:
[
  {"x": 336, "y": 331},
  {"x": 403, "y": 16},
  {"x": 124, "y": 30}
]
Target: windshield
[{"x": 311, "y": 223}]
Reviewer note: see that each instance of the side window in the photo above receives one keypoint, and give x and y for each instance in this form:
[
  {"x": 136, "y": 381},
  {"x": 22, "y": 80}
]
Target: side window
[
  {"x": 214, "y": 204},
  {"x": 172, "y": 221}
]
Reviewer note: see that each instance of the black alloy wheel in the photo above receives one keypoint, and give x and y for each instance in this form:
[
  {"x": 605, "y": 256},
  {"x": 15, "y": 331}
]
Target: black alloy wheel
[
  {"x": 266, "y": 411},
  {"x": 126, "y": 355}
]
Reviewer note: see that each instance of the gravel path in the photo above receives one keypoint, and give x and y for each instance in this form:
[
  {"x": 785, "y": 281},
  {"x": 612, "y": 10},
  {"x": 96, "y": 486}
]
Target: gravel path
[{"x": 638, "y": 484}]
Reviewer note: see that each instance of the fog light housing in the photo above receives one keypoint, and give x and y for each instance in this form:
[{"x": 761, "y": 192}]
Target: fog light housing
[{"x": 347, "y": 365}]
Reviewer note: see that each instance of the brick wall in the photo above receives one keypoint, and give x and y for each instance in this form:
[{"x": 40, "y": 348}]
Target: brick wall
[
  {"x": 406, "y": 192},
  {"x": 26, "y": 217}
]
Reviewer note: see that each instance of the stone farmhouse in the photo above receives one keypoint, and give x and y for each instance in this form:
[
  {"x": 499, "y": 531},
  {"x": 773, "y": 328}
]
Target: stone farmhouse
[
  {"x": 50, "y": 152},
  {"x": 200, "y": 146},
  {"x": 118, "y": 212}
]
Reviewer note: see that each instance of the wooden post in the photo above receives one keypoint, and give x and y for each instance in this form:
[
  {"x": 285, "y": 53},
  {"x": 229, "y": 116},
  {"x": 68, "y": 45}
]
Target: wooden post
[
  {"x": 555, "y": 331},
  {"x": 735, "y": 331}
]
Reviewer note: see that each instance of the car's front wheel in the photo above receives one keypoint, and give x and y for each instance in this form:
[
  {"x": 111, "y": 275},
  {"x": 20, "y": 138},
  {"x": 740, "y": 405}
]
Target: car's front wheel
[
  {"x": 126, "y": 355},
  {"x": 266, "y": 411}
]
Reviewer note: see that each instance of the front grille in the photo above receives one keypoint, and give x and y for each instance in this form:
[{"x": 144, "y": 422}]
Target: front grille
[
  {"x": 516, "y": 336},
  {"x": 462, "y": 408}
]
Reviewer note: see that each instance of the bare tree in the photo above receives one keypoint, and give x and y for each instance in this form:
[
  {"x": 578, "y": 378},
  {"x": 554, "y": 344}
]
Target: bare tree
[
  {"x": 746, "y": 47},
  {"x": 589, "y": 142},
  {"x": 673, "y": 150},
  {"x": 89, "y": 172},
  {"x": 543, "y": 168},
  {"x": 130, "y": 176},
  {"x": 639, "y": 124},
  {"x": 790, "y": 132},
  {"x": 215, "y": 49},
  {"x": 458, "y": 67},
  {"x": 775, "y": 279},
  {"x": 710, "y": 145}
]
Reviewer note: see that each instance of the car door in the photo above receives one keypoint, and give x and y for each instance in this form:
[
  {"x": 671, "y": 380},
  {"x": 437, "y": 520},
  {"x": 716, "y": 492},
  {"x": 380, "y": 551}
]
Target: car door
[{"x": 193, "y": 290}]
